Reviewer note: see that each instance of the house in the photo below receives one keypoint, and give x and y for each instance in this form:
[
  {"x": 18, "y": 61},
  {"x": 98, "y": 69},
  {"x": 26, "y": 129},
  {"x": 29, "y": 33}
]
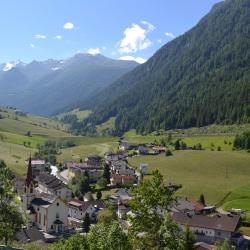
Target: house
[
  {"x": 117, "y": 179},
  {"x": 142, "y": 150},
  {"x": 110, "y": 156},
  {"x": 78, "y": 209},
  {"x": 47, "y": 214},
  {"x": 121, "y": 196},
  {"x": 94, "y": 160},
  {"x": 187, "y": 205},
  {"x": 144, "y": 168},
  {"x": 124, "y": 146},
  {"x": 94, "y": 169},
  {"x": 50, "y": 185},
  {"x": 209, "y": 229},
  {"x": 159, "y": 149},
  {"x": 122, "y": 210}
]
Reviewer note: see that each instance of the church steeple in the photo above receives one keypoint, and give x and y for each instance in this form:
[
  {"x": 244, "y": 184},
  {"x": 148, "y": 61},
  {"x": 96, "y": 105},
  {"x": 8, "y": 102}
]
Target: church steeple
[
  {"x": 29, "y": 177},
  {"x": 28, "y": 187}
]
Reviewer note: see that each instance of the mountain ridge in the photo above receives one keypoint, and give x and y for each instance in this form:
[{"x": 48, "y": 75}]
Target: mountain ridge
[
  {"x": 45, "y": 87},
  {"x": 200, "y": 78}
]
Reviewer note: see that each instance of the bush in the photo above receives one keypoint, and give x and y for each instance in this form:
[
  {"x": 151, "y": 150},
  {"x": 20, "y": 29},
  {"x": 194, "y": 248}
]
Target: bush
[{"x": 168, "y": 153}]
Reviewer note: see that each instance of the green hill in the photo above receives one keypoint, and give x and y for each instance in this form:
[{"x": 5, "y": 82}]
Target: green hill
[{"x": 200, "y": 78}]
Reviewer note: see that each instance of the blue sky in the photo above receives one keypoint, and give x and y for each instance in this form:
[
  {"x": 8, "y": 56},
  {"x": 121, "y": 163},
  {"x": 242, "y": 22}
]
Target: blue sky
[{"x": 42, "y": 29}]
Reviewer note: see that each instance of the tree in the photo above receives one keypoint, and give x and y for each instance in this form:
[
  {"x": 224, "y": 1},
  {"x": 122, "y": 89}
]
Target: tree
[
  {"x": 177, "y": 145},
  {"x": 219, "y": 148},
  {"x": 105, "y": 216},
  {"x": 188, "y": 239},
  {"x": 170, "y": 235},
  {"x": 202, "y": 199},
  {"x": 106, "y": 173},
  {"x": 150, "y": 197},
  {"x": 108, "y": 237},
  {"x": 224, "y": 246},
  {"x": 98, "y": 195},
  {"x": 11, "y": 222},
  {"x": 102, "y": 182},
  {"x": 75, "y": 242},
  {"x": 86, "y": 223},
  {"x": 168, "y": 153}
]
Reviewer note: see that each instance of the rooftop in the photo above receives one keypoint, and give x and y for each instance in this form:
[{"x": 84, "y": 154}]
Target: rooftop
[{"x": 223, "y": 222}]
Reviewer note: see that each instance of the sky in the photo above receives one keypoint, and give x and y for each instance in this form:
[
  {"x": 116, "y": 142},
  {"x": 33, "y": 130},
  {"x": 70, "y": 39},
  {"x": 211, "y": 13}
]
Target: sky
[{"x": 131, "y": 29}]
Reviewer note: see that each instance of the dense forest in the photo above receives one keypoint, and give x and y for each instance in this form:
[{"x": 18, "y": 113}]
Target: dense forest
[{"x": 200, "y": 78}]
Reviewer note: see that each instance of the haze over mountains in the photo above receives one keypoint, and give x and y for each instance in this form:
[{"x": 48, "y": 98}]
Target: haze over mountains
[
  {"x": 200, "y": 78},
  {"x": 46, "y": 87}
]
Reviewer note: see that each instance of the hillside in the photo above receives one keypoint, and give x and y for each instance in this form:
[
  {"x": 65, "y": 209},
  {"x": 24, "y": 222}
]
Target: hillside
[
  {"x": 200, "y": 78},
  {"x": 46, "y": 87}
]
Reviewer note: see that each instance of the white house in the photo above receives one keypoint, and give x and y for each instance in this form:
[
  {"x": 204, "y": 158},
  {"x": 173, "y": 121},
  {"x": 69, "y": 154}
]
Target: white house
[
  {"x": 50, "y": 215},
  {"x": 209, "y": 228},
  {"x": 78, "y": 209}
]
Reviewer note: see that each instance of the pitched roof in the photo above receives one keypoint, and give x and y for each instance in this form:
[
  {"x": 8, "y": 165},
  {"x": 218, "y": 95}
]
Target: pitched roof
[
  {"x": 188, "y": 204},
  {"x": 222, "y": 222},
  {"x": 87, "y": 165},
  {"x": 50, "y": 181},
  {"x": 41, "y": 202},
  {"x": 84, "y": 205},
  {"x": 81, "y": 205}
]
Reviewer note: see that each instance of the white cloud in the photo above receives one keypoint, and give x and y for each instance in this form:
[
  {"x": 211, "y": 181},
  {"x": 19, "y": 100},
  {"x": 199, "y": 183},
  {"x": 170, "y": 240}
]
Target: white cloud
[
  {"x": 68, "y": 26},
  {"x": 169, "y": 34},
  {"x": 58, "y": 37},
  {"x": 104, "y": 47},
  {"x": 150, "y": 26},
  {"x": 159, "y": 41},
  {"x": 135, "y": 38},
  {"x": 94, "y": 51},
  {"x": 39, "y": 36},
  {"x": 32, "y": 46},
  {"x": 132, "y": 58}
]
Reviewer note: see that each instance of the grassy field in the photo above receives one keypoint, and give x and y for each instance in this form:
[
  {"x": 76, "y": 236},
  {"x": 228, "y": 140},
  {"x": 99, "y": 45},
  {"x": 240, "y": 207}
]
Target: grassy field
[
  {"x": 238, "y": 198},
  {"x": 110, "y": 124},
  {"x": 81, "y": 114},
  {"x": 82, "y": 151},
  {"x": 12, "y": 139},
  {"x": 15, "y": 156},
  {"x": 212, "y": 173},
  {"x": 225, "y": 141}
]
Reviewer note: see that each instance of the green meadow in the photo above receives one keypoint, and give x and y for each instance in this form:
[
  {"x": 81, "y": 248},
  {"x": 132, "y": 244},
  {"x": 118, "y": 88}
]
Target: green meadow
[{"x": 212, "y": 173}]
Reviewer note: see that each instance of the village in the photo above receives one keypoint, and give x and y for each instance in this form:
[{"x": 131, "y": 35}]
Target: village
[{"x": 55, "y": 210}]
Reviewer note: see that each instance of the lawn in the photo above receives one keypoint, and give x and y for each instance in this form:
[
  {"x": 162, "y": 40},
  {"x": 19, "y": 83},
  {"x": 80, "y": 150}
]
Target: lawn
[
  {"x": 82, "y": 151},
  {"x": 212, "y": 173},
  {"x": 23, "y": 125},
  {"x": 15, "y": 156},
  {"x": 225, "y": 141}
]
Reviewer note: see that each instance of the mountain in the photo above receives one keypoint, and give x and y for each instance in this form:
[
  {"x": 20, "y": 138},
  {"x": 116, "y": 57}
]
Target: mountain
[
  {"x": 45, "y": 87},
  {"x": 200, "y": 78}
]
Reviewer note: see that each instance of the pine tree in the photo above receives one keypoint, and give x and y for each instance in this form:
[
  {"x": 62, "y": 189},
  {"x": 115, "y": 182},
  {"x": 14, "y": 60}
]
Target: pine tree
[
  {"x": 86, "y": 223},
  {"x": 99, "y": 195},
  {"x": 202, "y": 199}
]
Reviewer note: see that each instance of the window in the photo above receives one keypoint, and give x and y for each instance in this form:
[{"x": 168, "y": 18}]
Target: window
[
  {"x": 57, "y": 215},
  {"x": 39, "y": 218},
  {"x": 57, "y": 204}
]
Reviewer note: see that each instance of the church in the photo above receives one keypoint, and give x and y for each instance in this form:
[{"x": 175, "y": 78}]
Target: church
[{"x": 49, "y": 214}]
